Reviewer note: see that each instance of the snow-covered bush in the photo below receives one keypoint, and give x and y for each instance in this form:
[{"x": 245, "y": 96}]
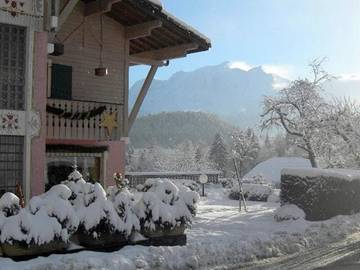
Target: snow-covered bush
[
  {"x": 48, "y": 217},
  {"x": 256, "y": 179},
  {"x": 289, "y": 212},
  {"x": 98, "y": 215},
  {"x": 55, "y": 203},
  {"x": 226, "y": 182},
  {"x": 9, "y": 206},
  {"x": 166, "y": 206},
  {"x": 274, "y": 197},
  {"x": 252, "y": 192},
  {"x": 191, "y": 184},
  {"x": 124, "y": 201}
]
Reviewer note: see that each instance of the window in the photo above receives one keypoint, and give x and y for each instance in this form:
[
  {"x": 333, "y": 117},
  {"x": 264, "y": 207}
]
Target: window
[
  {"x": 61, "y": 81},
  {"x": 12, "y": 67},
  {"x": 11, "y": 162}
]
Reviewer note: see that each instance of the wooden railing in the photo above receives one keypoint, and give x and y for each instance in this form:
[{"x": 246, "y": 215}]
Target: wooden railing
[{"x": 84, "y": 129}]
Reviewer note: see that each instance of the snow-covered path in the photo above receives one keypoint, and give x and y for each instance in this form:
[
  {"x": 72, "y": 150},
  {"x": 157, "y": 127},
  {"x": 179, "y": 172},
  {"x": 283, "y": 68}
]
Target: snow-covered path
[{"x": 220, "y": 238}]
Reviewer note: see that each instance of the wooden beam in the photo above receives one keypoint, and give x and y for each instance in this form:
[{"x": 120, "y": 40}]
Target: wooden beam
[
  {"x": 142, "y": 29},
  {"x": 168, "y": 52},
  {"x": 98, "y": 6},
  {"x": 145, "y": 61},
  {"x": 141, "y": 96},
  {"x": 66, "y": 11}
]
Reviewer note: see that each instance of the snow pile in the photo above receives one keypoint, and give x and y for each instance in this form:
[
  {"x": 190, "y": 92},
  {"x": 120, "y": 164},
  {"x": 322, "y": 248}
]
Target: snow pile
[
  {"x": 164, "y": 205},
  {"x": 48, "y": 217},
  {"x": 271, "y": 168},
  {"x": 289, "y": 212}
]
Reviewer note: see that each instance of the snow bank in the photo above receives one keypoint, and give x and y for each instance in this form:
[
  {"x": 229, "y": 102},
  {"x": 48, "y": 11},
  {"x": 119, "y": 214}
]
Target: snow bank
[
  {"x": 271, "y": 168},
  {"x": 289, "y": 212}
]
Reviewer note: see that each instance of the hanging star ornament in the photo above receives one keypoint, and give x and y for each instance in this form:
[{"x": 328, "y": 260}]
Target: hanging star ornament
[{"x": 109, "y": 122}]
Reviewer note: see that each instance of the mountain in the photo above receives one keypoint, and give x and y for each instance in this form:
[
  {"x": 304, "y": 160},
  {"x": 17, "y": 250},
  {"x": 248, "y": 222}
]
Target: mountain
[
  {"x": 171, "y": 128},
  {"x": 231, "y": 93}
]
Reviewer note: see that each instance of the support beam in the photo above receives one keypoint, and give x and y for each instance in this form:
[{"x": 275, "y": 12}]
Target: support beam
[
  {"x": 168, "y": 52},
  {"x": 142, "y": 29},
  {"x": 146, "y": 61},
  {"x": 66, "y": 11},
  {"x": 141, "y": 96},
  {"x": 99, "y": 6}
]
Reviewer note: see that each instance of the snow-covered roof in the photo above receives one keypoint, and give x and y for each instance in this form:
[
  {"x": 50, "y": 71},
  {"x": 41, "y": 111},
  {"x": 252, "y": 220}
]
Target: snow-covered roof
[
  {"x": 169, "y": 173},
  {"x": 348, "y": 175},
  {"x": 271, "y": 169}
]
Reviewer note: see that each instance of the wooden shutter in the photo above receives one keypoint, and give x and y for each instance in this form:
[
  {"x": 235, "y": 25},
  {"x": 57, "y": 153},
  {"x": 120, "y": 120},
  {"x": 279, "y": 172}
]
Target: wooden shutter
[{"x": 61, "y": 81}]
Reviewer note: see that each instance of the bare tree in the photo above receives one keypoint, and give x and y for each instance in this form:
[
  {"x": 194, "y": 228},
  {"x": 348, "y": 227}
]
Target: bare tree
[{"x": 299, "y": 109}]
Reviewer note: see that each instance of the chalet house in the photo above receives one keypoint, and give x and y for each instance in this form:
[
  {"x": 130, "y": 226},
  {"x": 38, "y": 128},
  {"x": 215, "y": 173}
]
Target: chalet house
[{"x": 64, "y": 69}]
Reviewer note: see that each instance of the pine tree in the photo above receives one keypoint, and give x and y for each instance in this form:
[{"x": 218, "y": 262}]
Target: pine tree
[{"x": 218, "y": 153}]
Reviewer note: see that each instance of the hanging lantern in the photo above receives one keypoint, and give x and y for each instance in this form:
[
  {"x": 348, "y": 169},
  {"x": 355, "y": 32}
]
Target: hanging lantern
[{"x": 101, "y": 70}]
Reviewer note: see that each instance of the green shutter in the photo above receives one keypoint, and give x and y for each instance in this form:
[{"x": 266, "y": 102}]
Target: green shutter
[{"x": 61, "y": 81}]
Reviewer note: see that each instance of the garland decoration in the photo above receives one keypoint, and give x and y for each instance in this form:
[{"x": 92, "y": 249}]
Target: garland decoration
[{"x": 75, "y": 115}]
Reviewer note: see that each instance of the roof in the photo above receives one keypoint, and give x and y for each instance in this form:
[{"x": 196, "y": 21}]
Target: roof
[{"x": 172, "y": 32}]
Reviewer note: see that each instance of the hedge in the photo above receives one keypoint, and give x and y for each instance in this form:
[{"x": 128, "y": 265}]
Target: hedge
[{"x": 322, "y": 194}]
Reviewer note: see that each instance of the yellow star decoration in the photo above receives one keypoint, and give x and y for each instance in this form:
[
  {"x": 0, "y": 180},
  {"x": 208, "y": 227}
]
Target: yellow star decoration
[{"x": 109, "y": 122}]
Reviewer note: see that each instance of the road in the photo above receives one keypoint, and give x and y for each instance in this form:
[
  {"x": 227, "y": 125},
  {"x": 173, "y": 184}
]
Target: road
[{"x": 341, "y": 255}]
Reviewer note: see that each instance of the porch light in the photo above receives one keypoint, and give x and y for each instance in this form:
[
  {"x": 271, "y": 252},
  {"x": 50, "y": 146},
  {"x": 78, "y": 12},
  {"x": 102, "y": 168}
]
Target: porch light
[{"x": 101, "y": 70}]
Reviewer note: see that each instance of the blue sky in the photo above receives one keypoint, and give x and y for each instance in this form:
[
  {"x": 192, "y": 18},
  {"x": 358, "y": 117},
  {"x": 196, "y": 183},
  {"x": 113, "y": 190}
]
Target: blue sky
[{"x": 282, "y": 35}]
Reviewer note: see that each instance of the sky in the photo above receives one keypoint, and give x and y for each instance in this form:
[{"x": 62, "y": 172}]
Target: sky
[{"x": 283, "y": 36}]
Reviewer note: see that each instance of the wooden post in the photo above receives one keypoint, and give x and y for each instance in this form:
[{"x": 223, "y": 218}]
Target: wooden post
[{"x": 141, "y": 96}]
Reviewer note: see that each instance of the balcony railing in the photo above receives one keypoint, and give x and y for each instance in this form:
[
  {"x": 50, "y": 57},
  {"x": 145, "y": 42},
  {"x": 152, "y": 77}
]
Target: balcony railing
[{"x": 82, "y": 128}]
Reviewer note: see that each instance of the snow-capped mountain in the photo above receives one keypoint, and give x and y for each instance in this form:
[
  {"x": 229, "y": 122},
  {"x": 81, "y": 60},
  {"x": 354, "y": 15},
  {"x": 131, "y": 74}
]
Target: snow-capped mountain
[{"x": 231, "y": 93}]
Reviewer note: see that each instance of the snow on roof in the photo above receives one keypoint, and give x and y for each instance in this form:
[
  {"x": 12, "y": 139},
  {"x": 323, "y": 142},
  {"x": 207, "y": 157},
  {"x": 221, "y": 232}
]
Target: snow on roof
[
  {"x": 344, "y": 174},
  {"x": 271, "y": 169},
  {"x": 170, "y": 173}
]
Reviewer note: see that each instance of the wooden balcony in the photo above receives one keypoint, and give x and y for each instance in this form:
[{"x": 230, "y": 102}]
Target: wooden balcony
[{"x": 81, "y": 128}]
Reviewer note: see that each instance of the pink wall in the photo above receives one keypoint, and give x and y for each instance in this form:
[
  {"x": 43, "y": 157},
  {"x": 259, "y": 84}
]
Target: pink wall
[
  {"x": 115, "y": 159},
  {"x": 38, "y": 155}
]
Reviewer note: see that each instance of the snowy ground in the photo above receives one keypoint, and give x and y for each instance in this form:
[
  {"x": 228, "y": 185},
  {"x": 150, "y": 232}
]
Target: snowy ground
[{"x": 220, "y": 237}]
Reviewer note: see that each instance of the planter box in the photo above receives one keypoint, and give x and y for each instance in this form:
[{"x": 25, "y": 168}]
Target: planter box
[
  {"x": 21, "y": 249},
  {"x": 104, "y": 241},
  {"x": 165, "y": 236}
]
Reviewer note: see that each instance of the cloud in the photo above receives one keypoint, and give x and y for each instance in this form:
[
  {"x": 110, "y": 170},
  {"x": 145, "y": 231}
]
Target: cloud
[
  {"x": 349, "y": 77},
  {"x": 282, "y": 71},
  {"x": 240, "y": 65}
]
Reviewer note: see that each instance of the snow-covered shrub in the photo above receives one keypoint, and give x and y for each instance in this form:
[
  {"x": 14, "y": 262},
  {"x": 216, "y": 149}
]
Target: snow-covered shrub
[
  {"x": 55, "y": 203},
  {"x": 321, "y": 193},
  {"x": 29, "y": 229},
  {"x": 191, "y": 184},
  {"x": 289, "y": 212},
  {"x": 98, "y": 215},
  {"x": 164, "y": 205},
  {"x": 252, "y": 192},
  {"x": 226, "y": 182},
  {"x": 274, "y": 197},
  {"x": 9, "y": 206},
  {"x": 256, "y": 179},
  {"x": 124, "y": 201}
]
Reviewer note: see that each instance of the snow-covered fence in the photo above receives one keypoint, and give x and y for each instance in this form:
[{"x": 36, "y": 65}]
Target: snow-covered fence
[
  {"x": 139, "y": 178},
  {"x": 321, "y": 193}
]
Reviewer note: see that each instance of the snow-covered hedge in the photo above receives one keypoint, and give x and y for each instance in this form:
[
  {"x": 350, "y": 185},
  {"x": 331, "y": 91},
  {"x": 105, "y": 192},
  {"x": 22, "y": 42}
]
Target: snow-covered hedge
[
  {"x": 191, "y": 184},
  {"x": 252, "y": 192},
  {"x": 165, "y": 206},
  {"x": 49, "y": 217},
  {"x": 321, "y": 193}
]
